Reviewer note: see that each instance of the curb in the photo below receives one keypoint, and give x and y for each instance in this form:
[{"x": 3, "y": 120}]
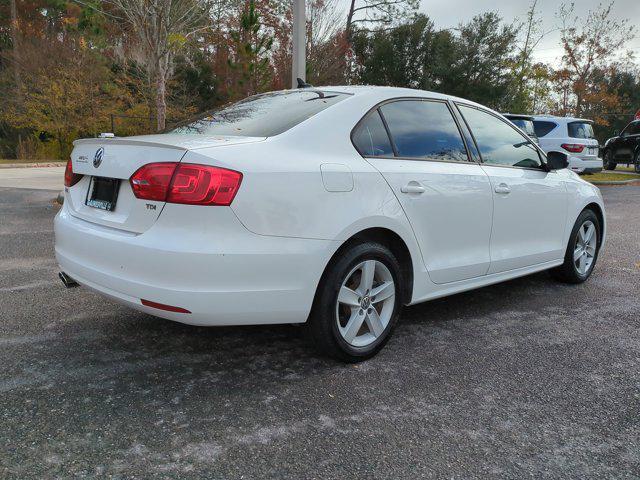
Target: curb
[
  {"x": 33, "y": 165},
  {"x": 634, "y": 181}
]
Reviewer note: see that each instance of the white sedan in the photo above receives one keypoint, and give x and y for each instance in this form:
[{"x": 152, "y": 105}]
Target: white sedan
[{"x": 332, "y": 206}]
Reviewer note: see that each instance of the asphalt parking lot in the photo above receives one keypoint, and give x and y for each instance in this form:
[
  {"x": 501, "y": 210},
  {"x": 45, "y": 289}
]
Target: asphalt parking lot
[{"x": 528, "y": 378}]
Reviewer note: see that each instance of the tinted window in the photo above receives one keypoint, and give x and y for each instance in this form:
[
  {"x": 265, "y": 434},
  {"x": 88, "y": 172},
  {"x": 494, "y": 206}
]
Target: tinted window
[
  {"x": 525, "y": 125},
  {"x": 499, "y": 142},
  {"x": 580, "y": 130},
  {"x": 371, "y": 139},
  {"x": 543, "y": 128},
  {"x": 424, "y": 129},
  {"x": 262, "y": 115},
  {"x": 632, "y": 129}
]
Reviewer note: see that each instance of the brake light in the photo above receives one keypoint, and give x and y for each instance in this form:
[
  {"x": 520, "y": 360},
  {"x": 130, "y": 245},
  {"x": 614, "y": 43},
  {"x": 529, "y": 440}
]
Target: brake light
[
  {"x": 186, "y": 183},
  {"x": 573, "y": 147},
  {"x": 70, "y": 178},
  {"x": 151, "y": 181}
]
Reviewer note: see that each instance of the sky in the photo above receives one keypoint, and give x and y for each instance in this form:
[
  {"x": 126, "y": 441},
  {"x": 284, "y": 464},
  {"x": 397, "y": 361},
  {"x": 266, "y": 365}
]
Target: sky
[{"x": 449, "y": 13}]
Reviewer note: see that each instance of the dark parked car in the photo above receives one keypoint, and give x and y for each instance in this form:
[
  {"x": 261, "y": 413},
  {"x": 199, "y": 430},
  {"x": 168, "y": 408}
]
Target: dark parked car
[
  {"x": 524, "y": 123},
  {"x": 623, "y": 148}
]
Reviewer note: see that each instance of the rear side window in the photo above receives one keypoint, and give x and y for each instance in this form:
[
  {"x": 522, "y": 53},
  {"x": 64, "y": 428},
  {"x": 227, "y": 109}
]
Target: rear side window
[
  {"x": 580, "y": 130},
  {"x": 424, "y": 129},
  {"x": 263, "y": 115},
  {"x": 370, "y": 137},
  {"x": 543, "y": 128},
  {"x": 499, "y": 142}
]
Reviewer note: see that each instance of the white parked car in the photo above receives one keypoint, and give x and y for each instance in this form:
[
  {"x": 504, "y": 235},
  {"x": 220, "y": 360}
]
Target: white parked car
[
  {"x": 332, "y": 206},
  {"x": 573, "y": 136}
]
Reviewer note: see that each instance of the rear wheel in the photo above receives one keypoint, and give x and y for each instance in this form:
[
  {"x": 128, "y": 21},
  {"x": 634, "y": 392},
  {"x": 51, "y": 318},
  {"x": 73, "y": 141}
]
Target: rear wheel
[
  {"x": 357, "y": 304},
  {"x": 582, "y": 251},
  {"x": 607, "y": 162}
]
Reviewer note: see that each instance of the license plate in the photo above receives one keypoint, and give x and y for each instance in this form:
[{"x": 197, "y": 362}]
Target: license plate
[
  {"x": 103, "y": 193},
  {"x": 593, "y": 150}
]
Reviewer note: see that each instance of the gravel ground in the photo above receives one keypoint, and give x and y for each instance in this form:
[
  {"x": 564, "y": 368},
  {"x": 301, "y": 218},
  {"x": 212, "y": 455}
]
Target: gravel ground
[{"x": 527, "y": 378}]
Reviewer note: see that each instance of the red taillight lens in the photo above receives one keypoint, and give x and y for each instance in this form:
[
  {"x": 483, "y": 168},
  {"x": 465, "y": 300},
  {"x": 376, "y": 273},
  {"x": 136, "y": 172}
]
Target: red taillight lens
[
  {"x": 203, "y": 185},
  {"x": 573, "y": 147},
  {"x": 70, "y": 178},
  {"x": 186, "y": 183},
  {"x": 151, "y": 181}
]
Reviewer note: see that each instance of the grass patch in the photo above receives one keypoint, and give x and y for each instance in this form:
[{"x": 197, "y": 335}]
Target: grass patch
[
  {"x": 5, "y": 161},
  {"x": 608, "y": 177}
]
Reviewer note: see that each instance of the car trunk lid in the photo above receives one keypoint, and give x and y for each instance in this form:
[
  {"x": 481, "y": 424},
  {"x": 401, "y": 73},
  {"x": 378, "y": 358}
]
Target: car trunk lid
[{"x": 117, "y": 159}]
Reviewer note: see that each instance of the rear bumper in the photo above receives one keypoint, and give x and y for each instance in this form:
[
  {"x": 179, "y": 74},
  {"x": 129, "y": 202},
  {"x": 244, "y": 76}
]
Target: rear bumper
[
  {"x": 589, "y": 164},
  {"x": 216, "y": 269}
]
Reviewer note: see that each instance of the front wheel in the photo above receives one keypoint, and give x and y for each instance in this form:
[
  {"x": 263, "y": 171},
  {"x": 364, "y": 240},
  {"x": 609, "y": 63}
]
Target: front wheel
[
  {"x": 637, "y": 163},
  {"x": 582, "y": 251},
  {"x": 357, "y": 304},
  {"x": 608, "y": 163}
]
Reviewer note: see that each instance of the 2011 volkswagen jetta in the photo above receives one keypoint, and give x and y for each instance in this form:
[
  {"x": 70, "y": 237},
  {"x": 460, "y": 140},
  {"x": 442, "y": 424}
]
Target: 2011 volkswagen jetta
[{"x": 332, "y": 206}]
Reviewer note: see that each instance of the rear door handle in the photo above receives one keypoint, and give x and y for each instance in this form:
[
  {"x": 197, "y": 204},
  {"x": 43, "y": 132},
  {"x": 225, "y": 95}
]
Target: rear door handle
[
  {"x": 503, "y": 188},
  {"x": 412, "y": 187}
]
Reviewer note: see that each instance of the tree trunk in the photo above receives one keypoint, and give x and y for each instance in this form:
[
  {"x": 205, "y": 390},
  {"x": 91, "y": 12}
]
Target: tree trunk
[
  {"x": 161, "y": 102},
  {"x": 16, "y": 51},
  {"x": 349, "y": 29}
]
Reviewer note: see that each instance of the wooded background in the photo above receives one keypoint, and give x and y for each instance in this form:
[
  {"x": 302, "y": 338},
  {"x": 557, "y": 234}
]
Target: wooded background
[{"x": 71, "y": 69}]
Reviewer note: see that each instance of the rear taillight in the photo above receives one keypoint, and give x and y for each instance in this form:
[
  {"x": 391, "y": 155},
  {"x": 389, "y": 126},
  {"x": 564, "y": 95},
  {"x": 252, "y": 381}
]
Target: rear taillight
[
  {"x": 186, "y": 183},
  {"x": 573, "y": 147},
  {"x": 70, "y": 178}
]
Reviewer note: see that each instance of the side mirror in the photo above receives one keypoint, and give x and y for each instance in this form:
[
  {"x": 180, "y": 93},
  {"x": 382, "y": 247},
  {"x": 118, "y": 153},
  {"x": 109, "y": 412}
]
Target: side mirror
[{"x": 557, "y": 160}]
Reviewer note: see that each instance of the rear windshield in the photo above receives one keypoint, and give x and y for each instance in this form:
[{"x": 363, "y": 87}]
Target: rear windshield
[
  {"x": 525, "y": 125},
  {"x": 581, "y": 130},
  {"x": 263, "y": 115}
]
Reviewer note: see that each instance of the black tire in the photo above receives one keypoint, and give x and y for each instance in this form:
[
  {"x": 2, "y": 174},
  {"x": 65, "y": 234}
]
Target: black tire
[
  {"x": 323, "y": 321},
  {"x": 607, "y": 161},
  {"x": 568, "y": 272},
  {"x": 636, "y": 166}
]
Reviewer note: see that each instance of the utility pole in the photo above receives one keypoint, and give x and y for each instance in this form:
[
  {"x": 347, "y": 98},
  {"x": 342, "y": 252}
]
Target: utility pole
[{"x": 299, "y": 66}]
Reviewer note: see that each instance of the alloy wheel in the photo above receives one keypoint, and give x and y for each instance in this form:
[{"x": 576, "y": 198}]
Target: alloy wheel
[
  {"x": 365, "y": 304},
  {"x": 585, "y": 249}
]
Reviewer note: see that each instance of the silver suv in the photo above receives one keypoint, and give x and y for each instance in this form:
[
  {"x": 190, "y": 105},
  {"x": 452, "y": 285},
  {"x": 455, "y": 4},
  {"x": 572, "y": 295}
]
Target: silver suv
[{"x": 573, "y": 136}]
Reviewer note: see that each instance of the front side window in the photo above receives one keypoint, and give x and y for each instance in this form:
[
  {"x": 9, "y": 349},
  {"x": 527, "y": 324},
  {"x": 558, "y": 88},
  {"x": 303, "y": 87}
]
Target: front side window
[
  {"x": 580, "y": 130},
  {"x": 499, "y": 142},
  {"x": 543, "y": 128},
  {"x": 424, "y": 129},
  {"x": 263, "y": 115},
  {"x": 525, "y": 125},
  {"x": 370, "y": 137},
  {"x": 631, "y": 129}
]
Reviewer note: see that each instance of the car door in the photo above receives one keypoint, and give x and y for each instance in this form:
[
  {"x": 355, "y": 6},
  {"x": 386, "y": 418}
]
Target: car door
[
  {"x": 624, "y": 146},
  {"x": 529, "y": 203},
  {"x": 446, "y": 197}
]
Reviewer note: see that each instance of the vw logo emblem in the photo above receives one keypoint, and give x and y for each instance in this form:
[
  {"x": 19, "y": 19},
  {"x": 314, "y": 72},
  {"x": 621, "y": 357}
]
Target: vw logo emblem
[{"x": 97, "y": 158}]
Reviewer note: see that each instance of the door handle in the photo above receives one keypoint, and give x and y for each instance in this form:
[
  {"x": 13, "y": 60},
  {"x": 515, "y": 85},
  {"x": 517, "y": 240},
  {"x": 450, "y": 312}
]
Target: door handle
[
  {"x": 503, "y": 188},
  {"x": 412, "y": 187}
]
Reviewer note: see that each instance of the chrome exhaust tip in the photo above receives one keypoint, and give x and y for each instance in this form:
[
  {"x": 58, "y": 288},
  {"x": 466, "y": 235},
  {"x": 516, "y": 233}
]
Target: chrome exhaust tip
[{"x": 67, "y": 280}]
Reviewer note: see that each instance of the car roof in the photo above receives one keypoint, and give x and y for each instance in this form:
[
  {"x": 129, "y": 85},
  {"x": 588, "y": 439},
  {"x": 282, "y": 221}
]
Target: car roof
[
  {"x": 562, "y": 119},
  {"x": 518, "y": 115},
  {"x": 383, "y": 93}
]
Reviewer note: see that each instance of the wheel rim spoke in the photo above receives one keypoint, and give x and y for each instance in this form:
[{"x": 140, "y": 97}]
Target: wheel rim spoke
[
  {"x": 353, "y": 326},
  {"x": 374, "y": 322},
  {"x": 589, "y": 234},
  {"x": 577, "y": 253},
  {"x": 348, "y": 297},
  {"x": 382, "y": 292},
  {"x": 368, "y": 272}
]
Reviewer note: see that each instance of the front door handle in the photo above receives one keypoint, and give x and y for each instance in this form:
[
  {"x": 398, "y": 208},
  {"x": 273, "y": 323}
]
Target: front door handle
[
  {"x": 503, "y": 188},
  {"x": 412, "y": 187}
]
